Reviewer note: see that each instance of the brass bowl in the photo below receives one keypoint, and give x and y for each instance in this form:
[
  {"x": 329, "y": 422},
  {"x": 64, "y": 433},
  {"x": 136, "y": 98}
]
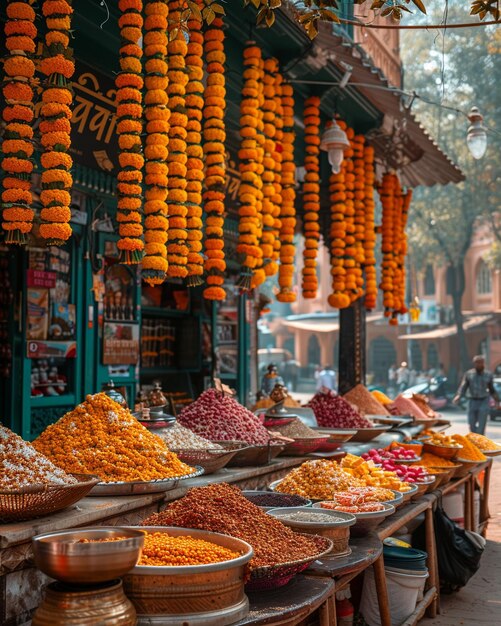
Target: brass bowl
[
  {"x": 446, "y": 452},
  {"x": 61, "y": 556}
]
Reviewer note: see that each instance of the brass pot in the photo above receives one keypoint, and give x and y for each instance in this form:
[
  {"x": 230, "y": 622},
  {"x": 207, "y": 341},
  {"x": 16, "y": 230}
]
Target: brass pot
[{"x": 103, "y": 605}]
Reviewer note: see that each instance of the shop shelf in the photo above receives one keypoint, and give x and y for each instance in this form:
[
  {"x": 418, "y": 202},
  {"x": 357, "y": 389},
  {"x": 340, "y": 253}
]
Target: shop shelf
[{"x": 43, "y": 401}]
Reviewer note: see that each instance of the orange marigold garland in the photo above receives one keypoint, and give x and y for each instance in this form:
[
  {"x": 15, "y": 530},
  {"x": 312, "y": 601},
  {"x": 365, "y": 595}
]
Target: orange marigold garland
[
  {"x": 156, "y": 226},
  {"x": 129, "y": 83},
  {"x": 277, "y": 184},
  {"x": 359, "y": 206},
  {"x": 195, "y": 164},
  {"x": 55, "y": 113},
  {"x": 338, "y": 299},
  {"x": 177, "y": 248},
  {"x": 370, "y": 231},
  {"x": 17, "y": 147},
  {"x": 387, "y": 195},
  {"x": 288, "y": 209},
  {"x": 269, "y": 208},
  {"x": 249, "y": 167},
  {"x": 311, "y": 197},
  {"x": 215, "y": 158},
  {"x": 350, "y": 262}
]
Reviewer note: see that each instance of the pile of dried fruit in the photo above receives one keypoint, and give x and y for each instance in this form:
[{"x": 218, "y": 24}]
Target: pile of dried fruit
[
  {"x": 439, "y": 439},
  {"x": 483, "y": 443},
  {"x": 470, "y": 451},
  {"x": 319, "y": 479},
  {"x": 21, "y": 465},
  {"x": 161, "y": 549},
  {"x": 333, "y": 411},
  {"x": 101, "y": 437},
  {"x": 178, "y": 437},
  {"x": 372, "y": 475},
  {"x": 360, "y": 500},
  {"x": 220, "y": 417},
  {"x": 365, "y": 401},
  {"x": 223, "y": 509}
]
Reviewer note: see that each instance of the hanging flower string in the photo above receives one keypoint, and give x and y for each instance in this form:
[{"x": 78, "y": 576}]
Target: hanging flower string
[
  {"x": 17, "y": 146},
  {"x": 267, "y": 242},
  {"x": 259, "y": 275},
  {"x": 288, "y": 209},
  {"x": 177, "y": 248},
  {"x": 129, "y": 84},
  {"x": 311, "y": 197},
  {"x": 350, "y": 251},
  {"x": 250, "y": 179},
  {"x": 369, "y": 231},
  {"x": 195, "y": 165},
  {"x": 214, "y": 137},
  {"x": 277, "y": 184},
  {"x": 154, "y": 265},
  {"x": 359, "y": 206},
  {"x": 55, "y": 127},
  {"x": 387, "y": 195},
  {"x": 338, "y": 299}
]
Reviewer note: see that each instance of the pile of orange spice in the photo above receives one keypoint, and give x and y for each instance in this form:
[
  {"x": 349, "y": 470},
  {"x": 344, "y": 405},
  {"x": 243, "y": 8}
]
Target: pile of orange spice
[
  {"x": 161, "y": 549},
  {"x": 101, "y": 437},
  {"x": 470, "y": 451}
]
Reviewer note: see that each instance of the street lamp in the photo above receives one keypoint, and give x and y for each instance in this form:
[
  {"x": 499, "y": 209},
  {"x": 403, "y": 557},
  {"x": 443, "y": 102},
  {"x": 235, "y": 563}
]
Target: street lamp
[
  {"x": 476, "y": 137},
  {"x": 334, "y": 141}
]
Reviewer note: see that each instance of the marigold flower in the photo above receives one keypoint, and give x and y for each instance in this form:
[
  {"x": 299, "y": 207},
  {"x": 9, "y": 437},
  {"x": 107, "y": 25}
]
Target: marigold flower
[{"x": 55, "y": 232}]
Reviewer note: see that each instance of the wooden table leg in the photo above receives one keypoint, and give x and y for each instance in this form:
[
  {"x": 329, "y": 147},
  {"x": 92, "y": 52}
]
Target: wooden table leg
[
  {"x": 382, "y": 592},
  {"x": 484, "y": 498},
  {"x": 468, "y": 504},
  {"x": 327, "y": 612},
  {"x": 433, "y": 577}
]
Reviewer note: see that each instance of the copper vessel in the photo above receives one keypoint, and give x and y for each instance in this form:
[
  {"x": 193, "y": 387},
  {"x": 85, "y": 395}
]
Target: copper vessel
[{"x": 97, "y": 605}]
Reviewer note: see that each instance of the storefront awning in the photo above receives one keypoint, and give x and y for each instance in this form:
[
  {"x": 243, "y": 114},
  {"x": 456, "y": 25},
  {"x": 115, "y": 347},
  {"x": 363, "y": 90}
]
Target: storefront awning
[
  {"x": 321, "y": 325},
  {"x": 448, "y": 331},
  {"x": 418, "y": 158}
]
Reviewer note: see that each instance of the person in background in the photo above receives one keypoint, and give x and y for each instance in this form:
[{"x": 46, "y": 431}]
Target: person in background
[
  {"x": 392, "y": 379},
  {"x": 326, "y": 378},
  {"x": 477, "y": 385},
  {"x": 403, "y": 377},
  {"x": 270, "y": 379}
]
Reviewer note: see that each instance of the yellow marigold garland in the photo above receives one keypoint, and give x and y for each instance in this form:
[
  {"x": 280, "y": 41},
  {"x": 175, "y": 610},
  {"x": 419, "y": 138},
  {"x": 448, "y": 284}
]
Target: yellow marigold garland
[
  {"x": 55, "y": 114},
  {"x": 177, "y": 248},
  {"x": 195, "y": 164},
  {"x": 311, "y": 195},
  {"x": 288, "y": 209},
  {"x": 359, "y": 206},
  {"x": 370, "y": 231},
  {"x": 129, "y": 83},
  {"x": 17, "y": 146},
  {"x": 215, "y": 154},
  {"x": 338, "y": 299},
  {"x": 269, "y": 208},
  {"x": 154, "y": 264},
  {"x": 249, "y": 167}
]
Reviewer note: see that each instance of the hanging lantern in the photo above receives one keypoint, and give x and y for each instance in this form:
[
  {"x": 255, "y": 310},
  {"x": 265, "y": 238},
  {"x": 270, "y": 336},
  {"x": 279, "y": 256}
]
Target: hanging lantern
[{"x": 334, "y": 141}]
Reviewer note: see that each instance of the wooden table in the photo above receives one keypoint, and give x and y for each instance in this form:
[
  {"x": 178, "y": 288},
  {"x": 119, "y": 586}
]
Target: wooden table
[{"x": 291, "y": 604}]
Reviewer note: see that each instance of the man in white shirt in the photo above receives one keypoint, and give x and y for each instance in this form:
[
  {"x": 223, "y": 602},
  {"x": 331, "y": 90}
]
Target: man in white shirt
[
  {"x": 403, "y": 374},
  {"x": 326, "y": 378}
]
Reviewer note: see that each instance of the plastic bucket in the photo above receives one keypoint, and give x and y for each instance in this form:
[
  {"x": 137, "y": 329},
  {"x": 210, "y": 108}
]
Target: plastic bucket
[{"x": 403, "y": 592}]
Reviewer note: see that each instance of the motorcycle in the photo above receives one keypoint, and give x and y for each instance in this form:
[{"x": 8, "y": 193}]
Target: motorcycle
[{"x": 436, "y": 391}]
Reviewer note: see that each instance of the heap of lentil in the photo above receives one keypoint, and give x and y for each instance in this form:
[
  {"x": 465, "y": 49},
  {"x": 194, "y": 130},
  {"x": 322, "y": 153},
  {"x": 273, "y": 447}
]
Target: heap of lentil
[
  {"x": 295, "y": 428},
  {"x": 162, "y": 549},
  {"x": 319, "y": 479},
  {"x": 223, "y": 509},
  {"x": 101, "y": 437},
  {"x": 21, "y": 465}
]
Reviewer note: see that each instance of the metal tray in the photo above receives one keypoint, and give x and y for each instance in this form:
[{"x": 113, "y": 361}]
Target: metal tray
[
  {"x": 252, "y": 455},
  {"x": 368, "y": 434},
  {"x": 140, "y": 487}
]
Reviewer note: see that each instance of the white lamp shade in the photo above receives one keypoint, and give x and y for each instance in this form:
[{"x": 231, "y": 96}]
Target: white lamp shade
[
  {"x": 334, "y": 141},
  {"x": 476, "y": 140},
  {"x": 335, "y": 159}
]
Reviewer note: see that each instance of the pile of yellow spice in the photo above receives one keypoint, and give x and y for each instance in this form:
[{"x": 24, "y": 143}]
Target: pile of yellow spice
[{"x": 101, "y": 437}]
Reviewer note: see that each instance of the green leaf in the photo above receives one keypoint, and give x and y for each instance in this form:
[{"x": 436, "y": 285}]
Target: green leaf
[
  {"x": 211, "y": 16},
  {"x": 195, "y": 10},
  {"x": 420, "y": 5},
  {"x": 173, "y": 34},
  {"x": 217, "y": 8}
]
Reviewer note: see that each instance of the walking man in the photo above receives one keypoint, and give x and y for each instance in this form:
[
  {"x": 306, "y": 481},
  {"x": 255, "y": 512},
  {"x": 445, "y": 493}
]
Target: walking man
[{"x": 478, "y": 385}]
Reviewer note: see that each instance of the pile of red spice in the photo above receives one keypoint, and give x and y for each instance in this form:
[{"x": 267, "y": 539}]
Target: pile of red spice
[
  {"x": 333, "y": 411},
  {"x": 223, "y": 509}
]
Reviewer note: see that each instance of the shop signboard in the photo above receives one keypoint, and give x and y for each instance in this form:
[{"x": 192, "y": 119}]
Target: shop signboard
[
  {"x": 51, "y": 349},
  {"x": 121, "y": 343},
  {"x": 38, "y": 278}
]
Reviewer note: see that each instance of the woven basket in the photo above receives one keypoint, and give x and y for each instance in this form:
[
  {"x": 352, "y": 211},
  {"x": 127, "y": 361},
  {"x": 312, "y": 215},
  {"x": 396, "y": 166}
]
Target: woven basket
[
  {"x": 304, "y": 445},
  {"x": 39, "y": 500},
  {"x": 273, "y": 576},
  {"x": 210, "y": 460}
]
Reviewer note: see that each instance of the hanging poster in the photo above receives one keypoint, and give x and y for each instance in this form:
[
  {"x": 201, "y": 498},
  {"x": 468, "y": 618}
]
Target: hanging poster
[{"x": 120, "y": 343}]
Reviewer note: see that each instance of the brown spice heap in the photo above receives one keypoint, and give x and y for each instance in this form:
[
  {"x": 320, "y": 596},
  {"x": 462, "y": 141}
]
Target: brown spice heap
[
  {"x": 223, "y": 509},
  {"x": 21, "y": 465},
  {"x": 101, "y": 437},
  {"x": 296, "y": 429}
]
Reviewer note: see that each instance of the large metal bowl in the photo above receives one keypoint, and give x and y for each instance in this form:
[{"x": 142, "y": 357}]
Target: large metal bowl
[
  {"x": 365, "y": 522},
  {"x": 61, "y": 556},
  {"x": 445, "y": 452},
  {"x": 208, "y": 595}
]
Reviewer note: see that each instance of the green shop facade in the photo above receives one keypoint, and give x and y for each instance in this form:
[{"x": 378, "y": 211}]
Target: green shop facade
[{"x": 73, "y": 319}]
